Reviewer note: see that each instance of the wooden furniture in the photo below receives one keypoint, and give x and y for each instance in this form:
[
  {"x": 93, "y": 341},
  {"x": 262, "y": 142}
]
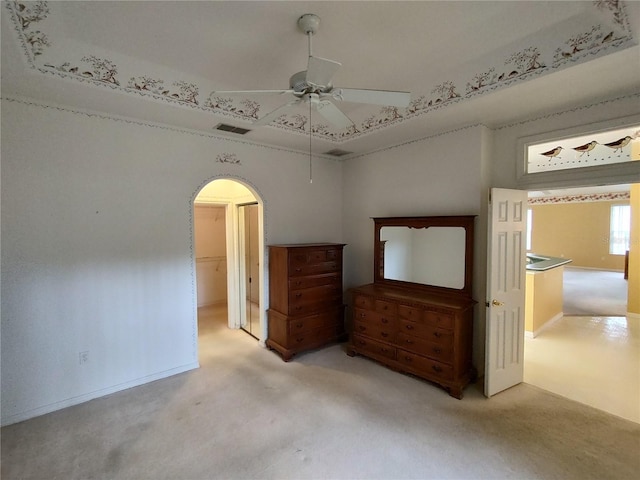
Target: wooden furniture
[
  {"x": 305, "y": 297},
  {"x": 424, "y": 329}
]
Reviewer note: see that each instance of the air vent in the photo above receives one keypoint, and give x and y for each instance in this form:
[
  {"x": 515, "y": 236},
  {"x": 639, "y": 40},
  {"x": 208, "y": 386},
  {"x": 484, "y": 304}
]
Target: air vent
[
  {"x": 337, "y": 153},
  {"x": 230, "y": 128}
]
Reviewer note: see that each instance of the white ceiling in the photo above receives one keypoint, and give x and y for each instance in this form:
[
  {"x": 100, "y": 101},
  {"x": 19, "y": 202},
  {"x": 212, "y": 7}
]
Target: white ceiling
[{"x": 411, "y": 46}]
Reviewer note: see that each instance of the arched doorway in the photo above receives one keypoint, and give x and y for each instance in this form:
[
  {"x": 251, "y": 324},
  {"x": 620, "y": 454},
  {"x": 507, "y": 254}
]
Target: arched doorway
[{"x": 228, "y": 244}]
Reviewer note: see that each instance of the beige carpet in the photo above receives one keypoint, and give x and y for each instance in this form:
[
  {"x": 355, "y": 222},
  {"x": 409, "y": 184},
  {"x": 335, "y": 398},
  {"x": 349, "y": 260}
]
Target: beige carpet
[
  {"x": 245, "y": 414},
  {"x": 596, "y": 293}
]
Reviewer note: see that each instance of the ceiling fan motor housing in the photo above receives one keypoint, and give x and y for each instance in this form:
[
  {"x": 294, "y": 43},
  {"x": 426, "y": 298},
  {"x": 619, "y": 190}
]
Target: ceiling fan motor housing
[{"x": 298, "y": 83}]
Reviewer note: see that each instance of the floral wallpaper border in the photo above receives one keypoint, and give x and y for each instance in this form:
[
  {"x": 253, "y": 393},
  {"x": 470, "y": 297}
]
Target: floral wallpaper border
[
  {"x": 521, "y": 65},
  {"x": 583, "y": 198}
]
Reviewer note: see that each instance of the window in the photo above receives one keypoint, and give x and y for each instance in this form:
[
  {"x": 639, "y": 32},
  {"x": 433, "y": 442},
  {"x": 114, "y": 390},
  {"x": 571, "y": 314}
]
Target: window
[
  {"x": 594, "y": 154},
  {"x": 619, "y": 229}
]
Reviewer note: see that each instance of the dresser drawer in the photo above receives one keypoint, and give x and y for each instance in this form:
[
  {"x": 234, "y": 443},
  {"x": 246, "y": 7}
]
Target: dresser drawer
[
  {"x": 376, "y": 349},
  {"x": 378, "y": 332},
  {"x": 313, "y": 295},
  {"x": 427, "y": 332},
  {"x": 384, "y": 307},
  {"x": 298, "y": 283},
  {"x": 436, "y": 351},
  {"x": 374, "y": 318},
  {"x": 317, "y": 321},
  {"x": 437, "y": 319},
  {"x": 309, "y": 308},
  {"x": 312, "y": 257},
  {"x": 417, "y": 314},
  {"x": 419, "y": 364},
  {"x": 312, "y": 338},
  {"x": 313, "y": 268},
  {"x": 409, "y": 312},
  {"x": 364, "y": 302}
]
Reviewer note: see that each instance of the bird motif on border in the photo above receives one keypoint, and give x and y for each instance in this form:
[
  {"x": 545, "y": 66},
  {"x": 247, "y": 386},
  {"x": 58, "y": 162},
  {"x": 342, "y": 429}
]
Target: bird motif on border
[{"x": 586, "y": 148}]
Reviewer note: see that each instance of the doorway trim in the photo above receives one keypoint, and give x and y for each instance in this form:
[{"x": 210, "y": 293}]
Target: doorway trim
[{"x": 232, "y": 250}]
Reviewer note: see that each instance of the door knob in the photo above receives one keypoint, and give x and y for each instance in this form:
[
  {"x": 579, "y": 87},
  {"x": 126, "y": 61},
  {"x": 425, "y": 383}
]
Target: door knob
[{"x": 496, "y": 303}]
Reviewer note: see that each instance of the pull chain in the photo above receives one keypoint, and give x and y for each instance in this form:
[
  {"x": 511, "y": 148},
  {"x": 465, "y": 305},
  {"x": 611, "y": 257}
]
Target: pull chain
[
  {"x": 309, "y": 35},
  {"x": 310, "y": 163}
]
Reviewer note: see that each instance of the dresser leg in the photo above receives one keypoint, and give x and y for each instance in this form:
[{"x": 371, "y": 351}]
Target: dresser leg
[
  {"x": 287, "y": 356},
  {"x": 455, "y": 392}
]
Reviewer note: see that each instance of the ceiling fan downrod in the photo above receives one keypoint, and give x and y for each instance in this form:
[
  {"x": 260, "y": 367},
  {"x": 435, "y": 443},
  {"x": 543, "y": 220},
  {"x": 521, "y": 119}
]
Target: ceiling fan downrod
[{"x": 309, "y": 24}]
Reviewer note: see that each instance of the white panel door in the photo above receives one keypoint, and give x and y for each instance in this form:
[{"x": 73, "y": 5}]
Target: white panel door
[{"x": 505, "y": 290}]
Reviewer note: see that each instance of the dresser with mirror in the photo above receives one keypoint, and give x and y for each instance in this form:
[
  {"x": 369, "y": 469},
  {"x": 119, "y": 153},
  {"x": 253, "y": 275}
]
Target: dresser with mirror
[{"x": 417, "y": 315}]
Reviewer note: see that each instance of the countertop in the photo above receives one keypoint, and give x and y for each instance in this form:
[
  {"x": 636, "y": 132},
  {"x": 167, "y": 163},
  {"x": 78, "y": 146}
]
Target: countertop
[{"x": 540, "y": 263}]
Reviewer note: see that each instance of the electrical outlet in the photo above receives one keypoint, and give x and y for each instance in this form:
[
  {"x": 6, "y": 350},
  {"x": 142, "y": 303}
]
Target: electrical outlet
[{"x": 84, "y": 357}]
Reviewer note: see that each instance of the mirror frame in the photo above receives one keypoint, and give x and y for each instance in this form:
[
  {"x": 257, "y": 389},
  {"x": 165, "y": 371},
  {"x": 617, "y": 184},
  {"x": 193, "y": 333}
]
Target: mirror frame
[{"x": 463, "y": 221}]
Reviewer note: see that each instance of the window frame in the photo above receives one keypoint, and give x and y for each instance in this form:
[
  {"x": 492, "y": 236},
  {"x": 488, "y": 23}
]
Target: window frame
[
  {"x": 611, "y": 230},
  {"x": 575, "y": 177}
]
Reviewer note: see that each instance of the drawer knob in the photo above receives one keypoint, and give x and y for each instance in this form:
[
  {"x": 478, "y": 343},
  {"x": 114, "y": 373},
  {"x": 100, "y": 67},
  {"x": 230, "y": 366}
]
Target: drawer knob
[
  {"x": 298, "y": 295},
  {"x": 409, "y": 341},
  {"x": 362, "y": 328},
  {"x": 409, "y": 327},
  {"x": 437, "y": 334},
  {"x": 408, "y": 359},
  {"x": 384, "y": 334},
  {"x": 437, "y": 350},
  {"x": 384, "y": 320},
  {"x": 362, "y": 342},
  {"x": 299, "y": 325},
  {"x": 436, "y": 368},
  {"x": 299, "y": 339}
]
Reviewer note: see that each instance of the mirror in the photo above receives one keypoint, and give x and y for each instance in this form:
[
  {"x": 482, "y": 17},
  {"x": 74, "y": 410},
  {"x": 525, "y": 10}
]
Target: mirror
[
  {"x": 408, "y": 255},
  {"x": 433, "y": 253}
]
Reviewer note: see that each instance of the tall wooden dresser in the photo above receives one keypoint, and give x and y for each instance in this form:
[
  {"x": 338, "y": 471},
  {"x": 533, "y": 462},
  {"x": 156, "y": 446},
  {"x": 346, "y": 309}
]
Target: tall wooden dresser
[{"x": 306, "y": 310}]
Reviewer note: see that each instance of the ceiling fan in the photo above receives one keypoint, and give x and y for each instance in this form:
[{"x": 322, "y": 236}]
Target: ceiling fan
[{"x": 314, "y": 86}]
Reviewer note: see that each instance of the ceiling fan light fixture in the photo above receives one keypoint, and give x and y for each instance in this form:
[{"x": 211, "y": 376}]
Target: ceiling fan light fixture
[{"x": 298, "y": 82}]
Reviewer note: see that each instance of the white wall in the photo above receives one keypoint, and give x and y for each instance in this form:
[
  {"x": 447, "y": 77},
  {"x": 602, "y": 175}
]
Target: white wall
[
  {"x": 440, "y": 175},
  {"x": 97, "y": 240},
  {"x": 98, "y": 252}
]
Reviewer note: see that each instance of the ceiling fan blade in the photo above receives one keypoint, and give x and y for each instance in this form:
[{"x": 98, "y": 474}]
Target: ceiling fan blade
[
  {"x": 320, "y": 71},
  {"x": 271, "y": 116},
  {"x": 333, "y": 114},
  {"x": 252, "y": 91},
  {"x": 375, "y": 97}
]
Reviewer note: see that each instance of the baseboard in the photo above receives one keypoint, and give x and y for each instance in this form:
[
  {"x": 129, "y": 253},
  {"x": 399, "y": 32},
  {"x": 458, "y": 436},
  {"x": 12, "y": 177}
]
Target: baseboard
[
  {"x": 52, "y": 407},
  {"x": 635, "y": 316},
  {"x": 544, "y": 326},
  {"x": 214, "y": 303},
  {"x": 576, "y": 267}
]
